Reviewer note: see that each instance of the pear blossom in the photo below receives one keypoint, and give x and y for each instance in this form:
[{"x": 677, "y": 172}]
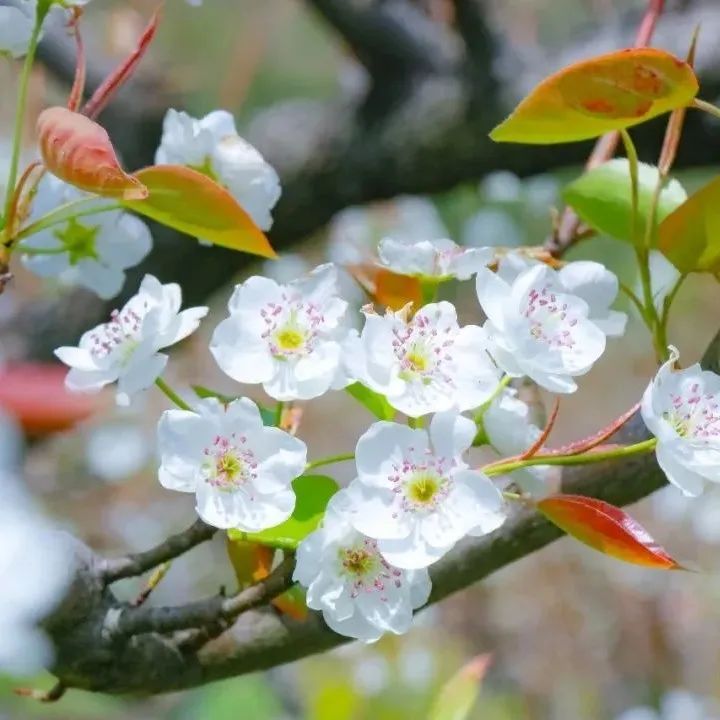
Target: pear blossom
[
  {"x": 425, "y": 363},
  {"x": 433, "y": 259},
  {"x": 508, "y": 428},
  {"x": 93, "y": 251},
  {"x": 588, "y": 280},
  {"x": 212, "y": 146},
  {"x": 287, "y": 337},
  {"x": 34, "y": 561},
  {"x": 240, "y": 471},
  {"x": 682, "y": 409},
  {"x": 361, "y": 595},
  {"x": 535, "y": 327},
  {"x": 125, "y": 349},
  {"x": 415, "y": 494},
  {"x": 16, "y": 25}
]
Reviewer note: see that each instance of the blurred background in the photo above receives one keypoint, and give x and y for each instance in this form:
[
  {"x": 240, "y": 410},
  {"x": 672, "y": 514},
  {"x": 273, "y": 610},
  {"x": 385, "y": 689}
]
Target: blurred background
[{"x": 573, "y": 635}]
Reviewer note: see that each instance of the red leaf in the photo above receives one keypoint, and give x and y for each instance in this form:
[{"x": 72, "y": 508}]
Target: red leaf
[
  {"x": 606, "y": 528},
  {"x": 79, "y": 151},
  {"x": 102, "y": 96},
  {"x": 35, "y": 395}
]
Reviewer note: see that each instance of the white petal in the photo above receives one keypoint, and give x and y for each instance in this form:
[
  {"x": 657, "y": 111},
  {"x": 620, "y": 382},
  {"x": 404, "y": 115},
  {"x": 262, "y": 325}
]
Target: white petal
[
  {"x": 691, "y": 483},
  {"x": 493, "y": 294},
  {"x": 451, "y": 434}
]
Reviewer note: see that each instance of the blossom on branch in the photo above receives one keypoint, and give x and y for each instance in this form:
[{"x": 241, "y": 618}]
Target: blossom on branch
[
  {"x": 212, "y": 146},
  {"x": 416, "y": 495},
  {"x": 287, "y": 337},
  {"x": 437, "y": 260},
  {"x": 126, "y": 348},
  {"x": 240, "y": 471},
  {"x": 425, "y": 363},
  {"x": 682, "y": 409},
  {"x": 91, "y": 251},
  {"x": 359, "y": 593},
  {"x": 535, "y": 327}
]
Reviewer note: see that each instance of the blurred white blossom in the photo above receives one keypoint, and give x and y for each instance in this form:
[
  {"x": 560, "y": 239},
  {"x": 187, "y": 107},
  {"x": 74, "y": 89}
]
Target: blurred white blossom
[
  {"x": 117, "y": 450},
  {"x": 93, "y": 251},
  {"x": 34, "y": 565},
  {"x": 212, "y": 146}
]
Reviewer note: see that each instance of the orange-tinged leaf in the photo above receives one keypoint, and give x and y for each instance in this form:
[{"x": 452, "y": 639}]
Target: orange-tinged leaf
[
  {"x": 35, "y": 395},
  {"x": 690, "y": 236},
  {"x": 79, "y": 151},
  {"x": 458, "y": 696},
  {"x": 252, "y": 563},
  {"x": 193, "y": 203},
  {"x": 386, "y": 287},
  {"x": 604, "y": 93},
  {"x": 606, "y": 528}
]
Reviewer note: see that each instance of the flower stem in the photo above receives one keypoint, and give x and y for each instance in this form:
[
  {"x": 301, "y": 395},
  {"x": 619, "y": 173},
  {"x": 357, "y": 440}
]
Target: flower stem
[
  {"x": 20, "y": 109},
  {"x": 501, "y": 468},
  {"x": 330, "y": 460},
  {"x": 279, "y": 413},
  {"x": 170, "y": 393},
  {"x": 706, "y": 106},
  {"x": 66, "y": 212}
]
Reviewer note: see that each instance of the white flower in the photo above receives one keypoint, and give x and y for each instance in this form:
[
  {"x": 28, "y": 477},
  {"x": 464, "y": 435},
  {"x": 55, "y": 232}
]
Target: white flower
[
  {"x": 588, "y": 280},
  {"x": 16, "y": 25},
  {"x": 536, "y": 328},
  {"x": 34, "y": 566},
  {"x": 126, "y": 348},
  {"x": 360, "y": 594},
  {"x": 423, "y": 364},
  {"x": 682, "y": 409},
  {"x": 437, "y": 259},
  {"x": 240, "y": 471},
  {"x": 287, "y": 337},
  {"x": 416, "y": 495},
  {"x": 213, "y": 146},
  {"x": 355, "y": 232},
  {"x": 509, "y": 431},
  {"x": 92, "y": 251},
  {"x": 17, "y": 21}
]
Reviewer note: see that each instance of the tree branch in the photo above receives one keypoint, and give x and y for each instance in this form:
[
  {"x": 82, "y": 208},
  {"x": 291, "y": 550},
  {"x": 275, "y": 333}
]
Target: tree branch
[{"x": 174, "y": 546}]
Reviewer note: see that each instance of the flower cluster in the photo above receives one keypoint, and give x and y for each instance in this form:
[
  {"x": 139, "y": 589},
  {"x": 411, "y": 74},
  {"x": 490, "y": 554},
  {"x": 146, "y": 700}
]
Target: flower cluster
[{"x": 416, "y": 491}]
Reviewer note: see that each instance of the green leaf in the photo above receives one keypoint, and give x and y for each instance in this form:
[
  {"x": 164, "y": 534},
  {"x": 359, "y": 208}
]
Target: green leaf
[
  {"x": 313, "y": 494},
  {"x": 457, "y": 697},
  {"x": 602, "y": 198},
  {"x": 267, "y": 415},
  {"x": 376, "y": 403},
  {"x": 193, "y": 203},
  {"x": 690, "y": 236}
]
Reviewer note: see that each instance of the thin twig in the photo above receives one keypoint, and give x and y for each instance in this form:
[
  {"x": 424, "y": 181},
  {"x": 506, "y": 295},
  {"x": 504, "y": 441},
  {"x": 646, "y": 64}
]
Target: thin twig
[
  {"x": 208, "y": 612},
  {"x": 174, "y": 546}
]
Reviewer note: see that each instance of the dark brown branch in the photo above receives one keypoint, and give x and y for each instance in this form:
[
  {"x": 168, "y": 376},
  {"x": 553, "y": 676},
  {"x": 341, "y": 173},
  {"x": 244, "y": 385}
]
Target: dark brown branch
[
  {"x": 174, "y": 546},
  {"x": 209, "y": 612},
  {"x": 388, "y": 36}
]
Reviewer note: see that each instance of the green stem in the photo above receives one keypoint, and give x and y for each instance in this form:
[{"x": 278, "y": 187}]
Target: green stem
[
  {"x": 667, "y": 305},
  {"x": 63, "y": 213},
  {"x": 502, "y": 384},
  {"x": 40, "y": 251},
  {"x": 642, "y": 246},
  {"x": 170, "y": 393},
  {"x": 330, "y": 460},
  {"x": 20, "y": 108},
  {"x": 416, "y": 423},
  {"x": 586, "y": 459},
  {"x": 279, "y": 413}
]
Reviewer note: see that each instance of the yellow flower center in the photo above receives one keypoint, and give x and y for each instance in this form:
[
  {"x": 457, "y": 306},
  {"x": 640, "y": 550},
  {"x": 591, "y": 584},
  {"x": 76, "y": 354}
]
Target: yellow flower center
[
  {"x": 290, "y": 338},
  {"x": 423, "y": 487}
]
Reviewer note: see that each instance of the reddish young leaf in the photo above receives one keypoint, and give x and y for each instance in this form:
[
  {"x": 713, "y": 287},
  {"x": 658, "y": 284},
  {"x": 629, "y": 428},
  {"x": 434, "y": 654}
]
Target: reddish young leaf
[
  {"x": 79, "y": 151},
  {"x": 386, "y": 287},
  {"x": 193, "y": 203},
  {"x": 606, "y": 528},
  {"x": 104, "y": 93},
  {"x": 35, "y": 395},
  {"x": 604, "y": 93}
]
